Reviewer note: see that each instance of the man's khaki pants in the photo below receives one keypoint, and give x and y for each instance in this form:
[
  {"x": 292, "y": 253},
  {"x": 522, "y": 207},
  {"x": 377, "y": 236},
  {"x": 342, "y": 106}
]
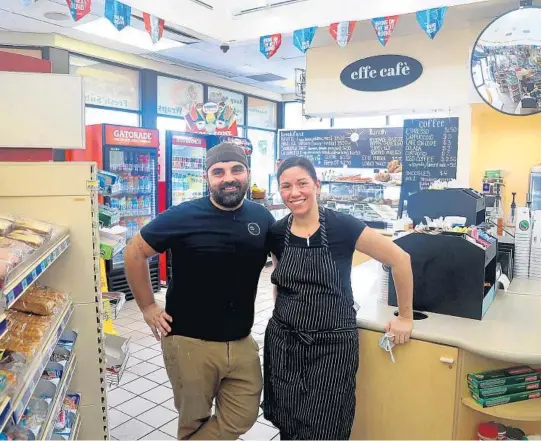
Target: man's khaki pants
[{"x": 200, "y": 371}]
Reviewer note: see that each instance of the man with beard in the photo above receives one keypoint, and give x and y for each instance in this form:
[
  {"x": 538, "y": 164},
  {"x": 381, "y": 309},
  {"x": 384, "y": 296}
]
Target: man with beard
[{"x": 218, "y": 246}]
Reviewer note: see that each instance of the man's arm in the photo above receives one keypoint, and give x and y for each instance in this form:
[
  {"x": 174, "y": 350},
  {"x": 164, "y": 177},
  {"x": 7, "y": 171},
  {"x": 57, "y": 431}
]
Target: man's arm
[
  {"x": 136, "y": 267},
  {"x": 384, "y": 250}
]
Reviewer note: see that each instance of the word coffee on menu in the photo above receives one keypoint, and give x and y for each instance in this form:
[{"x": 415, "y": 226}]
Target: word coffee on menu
[{"x": 429, "y": 152}]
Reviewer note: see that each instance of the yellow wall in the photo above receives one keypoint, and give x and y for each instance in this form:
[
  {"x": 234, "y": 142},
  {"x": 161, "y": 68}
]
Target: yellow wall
[{"x": 502, "y": 142}]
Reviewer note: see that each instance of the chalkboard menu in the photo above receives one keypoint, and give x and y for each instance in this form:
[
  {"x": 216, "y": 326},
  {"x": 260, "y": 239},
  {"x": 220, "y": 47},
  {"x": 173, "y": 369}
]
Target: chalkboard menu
[
  {"x": 355, "y": 148},
  {"x": 429, "y": 153}
]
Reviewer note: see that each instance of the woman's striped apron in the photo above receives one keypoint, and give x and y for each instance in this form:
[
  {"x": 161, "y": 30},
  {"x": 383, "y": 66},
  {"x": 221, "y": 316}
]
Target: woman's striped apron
[{"x": 311, "y": 346}]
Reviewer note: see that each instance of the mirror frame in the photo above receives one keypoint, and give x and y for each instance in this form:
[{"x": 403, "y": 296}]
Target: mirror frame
[{"x": 472, "y": 58}]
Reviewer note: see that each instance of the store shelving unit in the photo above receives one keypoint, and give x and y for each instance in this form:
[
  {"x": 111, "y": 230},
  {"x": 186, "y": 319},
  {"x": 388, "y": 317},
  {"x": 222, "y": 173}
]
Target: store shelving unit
[
  {"x": 528, "y": 410},
  {"x": 65, "y": 194}
]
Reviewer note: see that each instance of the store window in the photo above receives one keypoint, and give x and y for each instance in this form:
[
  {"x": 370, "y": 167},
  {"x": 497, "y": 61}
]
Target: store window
[
  {"x": 359, "y": 122},
  {"x": 262, "y": 160},
  {"x": 294, "y": 118},
  {"x": 107, "y": 85},
  {"x": 95, "y": 115},
  {"x": 236, "y": 100},
  {"x": 175, "y": 96},
  {"x": 261, "y": 113}
]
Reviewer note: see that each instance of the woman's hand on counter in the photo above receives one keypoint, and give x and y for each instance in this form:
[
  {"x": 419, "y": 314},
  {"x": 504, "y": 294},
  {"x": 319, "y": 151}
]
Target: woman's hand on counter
[{"x": 400, "y": 328}]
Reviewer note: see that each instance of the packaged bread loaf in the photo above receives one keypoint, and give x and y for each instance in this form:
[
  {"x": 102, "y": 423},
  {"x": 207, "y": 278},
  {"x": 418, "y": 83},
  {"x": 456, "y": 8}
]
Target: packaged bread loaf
[
  {"x": 23, "y": 345},
  {"x": 6, "y": 226},
  {"x": 41, "y": 300},
  {"x": 41, "y": 228},
  {"x": 28, "y": 237},
  {"x": 25, "y": 249}
]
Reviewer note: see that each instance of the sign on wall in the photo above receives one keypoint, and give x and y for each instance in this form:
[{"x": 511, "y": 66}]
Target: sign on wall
[
  {"x": 429, "y": 153},
  {"x": 355, "y": 148},
  {"x": 381, "y": 72},
  {"x": 175, "y": 96}
]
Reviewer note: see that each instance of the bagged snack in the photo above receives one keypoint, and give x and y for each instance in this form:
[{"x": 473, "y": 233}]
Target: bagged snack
[
  {"x": 51, "y": 374},
  {"x": 6, "y": 226},
  {"x": 28, "y": 237},
  {"x": 41, "y": 228},
  {"x": 10, "y": 379},
  {"x": 26, "y": 347},
  {"x": 11, "y": 255}
]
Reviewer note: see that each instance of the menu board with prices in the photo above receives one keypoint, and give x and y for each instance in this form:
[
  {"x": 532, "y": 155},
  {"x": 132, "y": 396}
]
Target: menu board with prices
[
  {"x": 429, "y": 153},
  {"x": 353, "y": 148}
]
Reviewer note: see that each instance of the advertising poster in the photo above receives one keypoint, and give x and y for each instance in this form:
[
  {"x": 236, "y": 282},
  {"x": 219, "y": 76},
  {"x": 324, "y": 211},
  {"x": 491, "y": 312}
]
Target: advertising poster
[
  {"x": 342, "y": 32},
  {"x": 175, "y": 96},
  {"x": 269, "y": 44},
  {"x": 431, "y": 20},
  {"x": 384, "y": 27},
  {"x": 235, "y": 100},
  {"x": 303, "y": 38},
  {"x": 78, "y": 8},
  {"x": 118, "y": 14},
  {"x": 211, "y": 119}
]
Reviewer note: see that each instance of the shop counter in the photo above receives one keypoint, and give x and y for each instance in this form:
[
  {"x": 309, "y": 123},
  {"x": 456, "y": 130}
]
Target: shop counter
[{"x": 424, "y": 394}]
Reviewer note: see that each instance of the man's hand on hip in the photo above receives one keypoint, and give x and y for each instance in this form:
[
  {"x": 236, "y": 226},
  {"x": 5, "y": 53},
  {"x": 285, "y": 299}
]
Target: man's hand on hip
[{"x": 157, "y": 319}]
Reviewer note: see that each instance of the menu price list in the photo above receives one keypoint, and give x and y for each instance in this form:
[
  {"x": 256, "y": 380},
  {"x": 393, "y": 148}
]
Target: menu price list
[
  {"x": 429, "y": 152},
  {"x": 355, "y": 148}
]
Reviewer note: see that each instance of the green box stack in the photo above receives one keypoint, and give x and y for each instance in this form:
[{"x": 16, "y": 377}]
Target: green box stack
[{"x": 502, "y": 386}]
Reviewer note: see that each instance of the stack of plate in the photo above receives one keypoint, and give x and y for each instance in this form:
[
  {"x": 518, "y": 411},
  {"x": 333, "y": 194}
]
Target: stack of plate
[
  {"x": 534, "y": 263},
  {"x": 522, "y": 243}
]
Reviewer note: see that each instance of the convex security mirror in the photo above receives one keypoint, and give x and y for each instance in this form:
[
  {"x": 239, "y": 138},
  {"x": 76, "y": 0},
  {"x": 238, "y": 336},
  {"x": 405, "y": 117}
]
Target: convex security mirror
[{"x": 505, "y": 62}]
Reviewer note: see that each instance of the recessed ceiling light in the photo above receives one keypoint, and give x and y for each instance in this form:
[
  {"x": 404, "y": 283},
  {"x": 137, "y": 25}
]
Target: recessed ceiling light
[{"x": 56, "y": 16}]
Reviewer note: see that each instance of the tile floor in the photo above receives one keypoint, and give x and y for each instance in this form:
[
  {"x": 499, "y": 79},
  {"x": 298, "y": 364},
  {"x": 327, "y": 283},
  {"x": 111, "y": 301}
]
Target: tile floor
[{"x": 141, "y": 406}]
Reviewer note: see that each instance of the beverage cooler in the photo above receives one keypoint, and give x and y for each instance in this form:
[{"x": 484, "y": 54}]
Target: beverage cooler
[
  {"x": 132, "y": 154},
  {"x": 185, "y": 167}
]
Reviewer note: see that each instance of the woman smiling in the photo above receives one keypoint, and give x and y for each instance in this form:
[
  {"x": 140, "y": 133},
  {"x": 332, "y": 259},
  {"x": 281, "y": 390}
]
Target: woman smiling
[{"x": 311, "y": 342}]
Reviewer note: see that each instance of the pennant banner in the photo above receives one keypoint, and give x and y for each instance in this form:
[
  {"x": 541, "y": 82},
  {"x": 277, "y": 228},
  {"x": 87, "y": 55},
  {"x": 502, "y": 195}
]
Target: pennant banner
[
  {"x": 154, "y": 26},
  {"x": 118, "y": 14},
  {"x": 431, "y": 20},
  {"x": 303, "y": 38},
  {"x": 78, "y": 8},
  {"x": 342, "y": 32},
  {"x": 384, "y": 27},
  {"x": 269, "y": 44}
]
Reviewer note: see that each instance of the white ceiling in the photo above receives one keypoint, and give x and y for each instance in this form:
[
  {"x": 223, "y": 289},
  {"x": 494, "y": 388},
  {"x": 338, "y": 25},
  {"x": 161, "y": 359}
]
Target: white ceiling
[
  {"x": 519, "y": 27},
  {"x": 202, "y": 52}
]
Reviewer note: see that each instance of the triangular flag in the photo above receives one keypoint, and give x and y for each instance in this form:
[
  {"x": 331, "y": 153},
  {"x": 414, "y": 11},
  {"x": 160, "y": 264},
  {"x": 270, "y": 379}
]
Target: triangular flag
[
  {"x": 269, "y": 44},
  {"x": 78, "y": 8},
  {"x": 303, "y": 38},
  {"x": 384, "y": 27},
  {"x": 154, "y": 26},
  {"x": 118, "y": 14},
  {"x": 342, "y": 32},
  {"x": 431, "y": 20}
]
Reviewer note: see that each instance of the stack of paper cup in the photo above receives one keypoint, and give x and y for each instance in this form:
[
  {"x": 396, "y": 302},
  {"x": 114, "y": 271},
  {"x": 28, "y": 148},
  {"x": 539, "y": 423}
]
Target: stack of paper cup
[
  {"x": 383, "y": 276},
  {"x": 522, "y": 243},
  {"x": 534, "y": 262}
]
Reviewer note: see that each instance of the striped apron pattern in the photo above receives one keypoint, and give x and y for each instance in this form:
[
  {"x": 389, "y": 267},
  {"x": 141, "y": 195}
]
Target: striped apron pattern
[{"x": 311, "y": 346}]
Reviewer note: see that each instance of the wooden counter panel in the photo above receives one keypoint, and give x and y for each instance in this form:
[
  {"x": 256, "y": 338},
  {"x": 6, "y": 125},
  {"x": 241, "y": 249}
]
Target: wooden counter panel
[{"x": 413, "y": 398}]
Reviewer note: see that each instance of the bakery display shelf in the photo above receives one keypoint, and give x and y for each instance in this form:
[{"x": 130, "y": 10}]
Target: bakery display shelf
[
  {"x": 528, "y": 410},
  {"x": 3, "y": 325},
  {"x": 54, "y": 408},
  {"x": 28, "y": 272},
  {"x": 28, "y": 384}
]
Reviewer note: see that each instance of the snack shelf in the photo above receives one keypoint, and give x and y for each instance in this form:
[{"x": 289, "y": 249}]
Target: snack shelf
[
  {"x": 528, "y": 410},
  {"x": 3, "y": 325},
  {"x": 28, "y": 383},
  {"x": 76, "y": 426},
  {"x": 28, "y": 272},
  {"x": 54, "y": 409}
]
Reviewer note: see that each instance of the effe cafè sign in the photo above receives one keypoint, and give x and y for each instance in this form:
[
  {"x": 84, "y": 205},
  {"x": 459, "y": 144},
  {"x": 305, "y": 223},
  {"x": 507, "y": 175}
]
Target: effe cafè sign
[{"x": 381, "y": 72}]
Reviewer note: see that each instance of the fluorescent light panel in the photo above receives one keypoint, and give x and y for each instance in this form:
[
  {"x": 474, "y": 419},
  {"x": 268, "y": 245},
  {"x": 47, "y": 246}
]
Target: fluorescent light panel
[{"x": 130, "y": 36}]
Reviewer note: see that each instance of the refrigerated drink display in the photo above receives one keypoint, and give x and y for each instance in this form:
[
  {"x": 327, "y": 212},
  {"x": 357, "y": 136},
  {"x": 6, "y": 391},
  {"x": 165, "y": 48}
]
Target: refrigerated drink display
[
  {"x": 137, "y": 200},
  {"x": 187, "y": 168}
]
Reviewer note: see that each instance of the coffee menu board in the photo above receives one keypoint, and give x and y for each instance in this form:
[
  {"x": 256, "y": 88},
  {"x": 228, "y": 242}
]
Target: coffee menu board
[
  {"x": 354, "y": 148},
  {"x": 429, "y": 153}
]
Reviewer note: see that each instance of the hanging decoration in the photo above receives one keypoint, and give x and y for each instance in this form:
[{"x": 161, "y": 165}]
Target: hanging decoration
[
  {"x": 303, "y": 38},
  {"x": 269, "y": 44},
  {"x": 154, "y": 26},
  {"x": 431, "y": 20},
  {"x": 342, "y": 32},
  {"x": 78, "y": 8},
  {"x": 118, "y": 14},
  {"x": 384, "y": 27}
]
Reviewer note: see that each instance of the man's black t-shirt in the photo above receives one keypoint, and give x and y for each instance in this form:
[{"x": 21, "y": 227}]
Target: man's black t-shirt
[
  {"x": 342, "y": 231},
  {"x": 217, "y": 257}
]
